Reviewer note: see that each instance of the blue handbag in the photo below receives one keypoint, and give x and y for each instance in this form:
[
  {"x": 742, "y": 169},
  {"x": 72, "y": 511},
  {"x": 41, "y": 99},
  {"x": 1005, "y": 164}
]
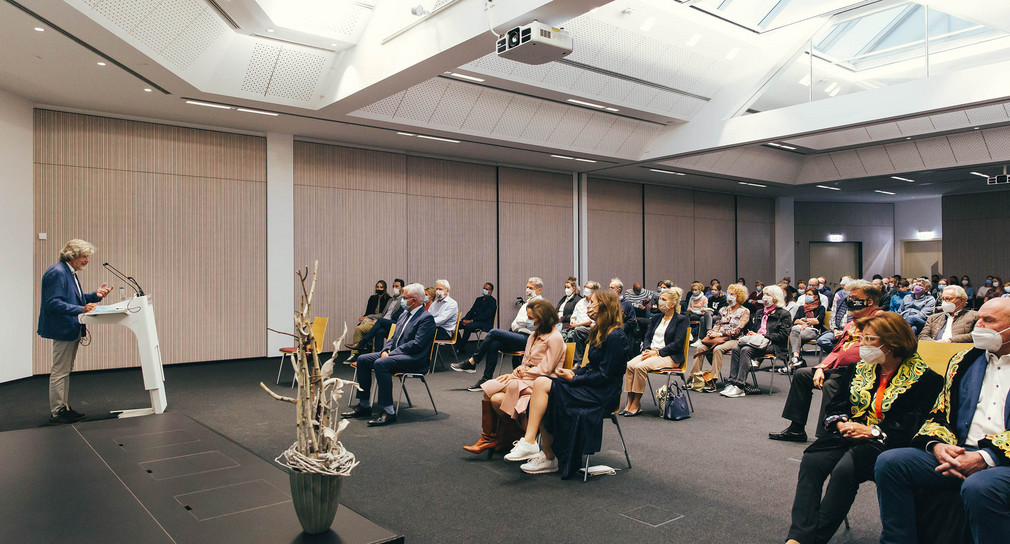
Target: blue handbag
[{"x": 676, "y": 405}]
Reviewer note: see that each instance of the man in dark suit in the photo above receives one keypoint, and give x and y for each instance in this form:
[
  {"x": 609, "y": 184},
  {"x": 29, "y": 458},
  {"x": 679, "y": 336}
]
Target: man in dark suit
[
  {"x": 964, "y": 446},
  {"x": 63, "y": 300},
  {"x": 955, "y": 322},
  {"x": 480, "y": 316},
  {"x": 407, "y": 351}
]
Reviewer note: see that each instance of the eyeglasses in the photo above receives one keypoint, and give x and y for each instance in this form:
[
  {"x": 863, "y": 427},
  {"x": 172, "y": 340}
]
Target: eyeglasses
[{"x": 870, "y": 338}]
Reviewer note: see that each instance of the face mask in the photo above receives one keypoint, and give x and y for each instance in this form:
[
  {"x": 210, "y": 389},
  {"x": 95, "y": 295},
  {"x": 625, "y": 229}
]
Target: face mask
[
  {"x": 988, "y": 339},
  {"x": 941, "y": 286},
  {"x": 530, "y": 292},
  {"x": 426, "y": 299},
  {"x": 730, "y": 301},
  {"x": 964, "y": 282},
  {"x": 767, "y": 300},
  {"x": 586, "y": 292},
  {"x": 947, "y": 307},
  {"x": 663, "y": 306},
  {"x": 871, "y": 354},
  {"x": 988, "y": 282},
  {"x": 439, "y": 294},
  {"x": 808, "y": 299},
  {"x": 1006, "y": 288},
  {"x": 637, "y": 291},
  {"x": 695, "y": 294},
  {"x": 379, "y": 291},
  {"x": 396, "y": 291},
  {"x": 995, "y": 284},
  {"x": 569, "y": 291},
  {"x": 917, "y": 289},
  {"x": 529, "y": 324},
  {"x": 856, "y": 305},
  {"x": 485, "y": 292},
  {"x": 403, "y": 303}
]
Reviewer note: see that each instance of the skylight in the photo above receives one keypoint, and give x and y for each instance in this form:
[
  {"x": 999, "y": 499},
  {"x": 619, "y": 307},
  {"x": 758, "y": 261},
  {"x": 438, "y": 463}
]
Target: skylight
[{"x": 762, "y": 15}]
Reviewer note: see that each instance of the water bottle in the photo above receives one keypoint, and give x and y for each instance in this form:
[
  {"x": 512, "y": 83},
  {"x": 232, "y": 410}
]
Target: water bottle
[{"x": 122, "y": 293}]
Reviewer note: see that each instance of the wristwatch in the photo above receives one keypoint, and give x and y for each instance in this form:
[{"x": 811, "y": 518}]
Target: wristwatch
[{"x": 877, "y": 434}]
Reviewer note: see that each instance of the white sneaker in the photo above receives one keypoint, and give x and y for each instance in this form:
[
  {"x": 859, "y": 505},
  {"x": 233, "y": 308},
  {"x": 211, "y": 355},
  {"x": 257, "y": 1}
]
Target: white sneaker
[
  {"x": 522, "y": 450},
  {"x": 696, "y": 343},
  {"x": 736, "y": 393},
  {"x": 538, "y": 464},
  {"x": 729, "y": 390}
]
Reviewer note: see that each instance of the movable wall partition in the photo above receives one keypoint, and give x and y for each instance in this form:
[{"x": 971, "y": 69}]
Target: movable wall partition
[
  {"x": 974, "y": 235},
  {"x": 182, "y": 210}
]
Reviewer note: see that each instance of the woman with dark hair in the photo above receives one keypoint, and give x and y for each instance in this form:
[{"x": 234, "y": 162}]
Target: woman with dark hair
[
  {"x": 568, "y": 409},
  {"x": 509, "y": 395},
  {"x": 882, "y": 402},
  {"x": 996, "y": 291}
]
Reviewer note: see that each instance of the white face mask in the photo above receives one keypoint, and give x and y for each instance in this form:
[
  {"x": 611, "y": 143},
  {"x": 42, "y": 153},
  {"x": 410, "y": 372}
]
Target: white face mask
[
  {"x": 663, "y": 306},
  {"x": 396, "y": 291},
  {"x": 988, "y": 339},
  {"x": 439, "y": 294},
  {"x": 947, "y": 307},
  {"x": 964, "y": 283},
  {"x": 569, "y": 291},
  {"x": 730, "y": 301},
  {"x": 530, "y": 292},
  {"x": 871, "y": 354},
  {"x": 767, "y": 300},
  {"x": 586, "y": 292},
  {"x": 485, "y": 291}
]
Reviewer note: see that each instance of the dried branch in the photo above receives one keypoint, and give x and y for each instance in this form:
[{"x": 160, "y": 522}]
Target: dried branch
[{"x": 276, "y": 396}]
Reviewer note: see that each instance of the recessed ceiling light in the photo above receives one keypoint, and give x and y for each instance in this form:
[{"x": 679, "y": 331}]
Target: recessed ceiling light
[
  {"x": 451, "y": 141},
  {"x": 693, "y": 41},
  {"x": 611, "y": 109},
  {"x": 733, "y": 53},
  {"x": 466, "y": 77},
  {"x": 908, "y": 137},
  {"x": 751, "y": 184},
  {"x": 976, "y": 128},
  {"x": 406, "y": 134},
  {"x": 667, "y": 172},
  {"x": 805, "y": 80},
  {"x": 883, "y": 192},
  {"x": 980, "y": 174},
  {"x": 773, "y": 144},
  {"x": 39, "y": 29},
  {"x": 334, "y": 45},
  {"x": 584, "y": 160},
  {"x": 147, "y": 90},
  {"x": 899, "y": 178},
  {"x": 829, "y": 188},
  {"x": 270, "y": 30},
  {"x": 247, "y": 110},
  {"x": 831, "y": 87},
  {"x": 563, "y": 157},
  {"x": 584, "y": 103},
  {"x": 101, "y": 64},
  {"x": 789, "y": 147},
  {"x": 834, "y": 92},
  {"x": 208, "y": 104},
  {"x": 925, "y": 235}
]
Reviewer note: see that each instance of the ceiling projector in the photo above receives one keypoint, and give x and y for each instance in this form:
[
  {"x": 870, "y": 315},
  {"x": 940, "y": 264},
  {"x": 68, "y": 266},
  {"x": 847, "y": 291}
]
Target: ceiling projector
[{"x": 535, "y": 43}]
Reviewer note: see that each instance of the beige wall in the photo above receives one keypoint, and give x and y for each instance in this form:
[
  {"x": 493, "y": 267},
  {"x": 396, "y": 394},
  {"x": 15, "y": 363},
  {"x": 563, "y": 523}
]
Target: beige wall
[
  {"x": 181, "y": 210},
  {"x": 614, "y": 216},
  {"x": 974, "y": 233}
]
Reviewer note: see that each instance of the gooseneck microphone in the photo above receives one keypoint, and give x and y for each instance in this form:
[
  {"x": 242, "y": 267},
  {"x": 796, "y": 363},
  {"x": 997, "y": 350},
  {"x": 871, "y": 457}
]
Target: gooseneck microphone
[{"x": 127, "y": 279}]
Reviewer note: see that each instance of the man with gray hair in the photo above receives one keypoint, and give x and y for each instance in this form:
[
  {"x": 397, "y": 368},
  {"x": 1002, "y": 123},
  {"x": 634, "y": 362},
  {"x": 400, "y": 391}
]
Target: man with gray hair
[
  {"x": 955, "y": 322},
  {"x": 63, "y": 302},
  {"x": 502, "y": 341},
  {"x": 445, "y": 311}
]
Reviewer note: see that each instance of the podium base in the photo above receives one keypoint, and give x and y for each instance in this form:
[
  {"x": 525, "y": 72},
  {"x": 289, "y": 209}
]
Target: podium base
[{"x": 137, "y": 412}]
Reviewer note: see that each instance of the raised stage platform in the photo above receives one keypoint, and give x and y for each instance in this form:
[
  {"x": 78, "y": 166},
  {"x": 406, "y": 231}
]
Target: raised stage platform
[{"x": 152, "y": 479}]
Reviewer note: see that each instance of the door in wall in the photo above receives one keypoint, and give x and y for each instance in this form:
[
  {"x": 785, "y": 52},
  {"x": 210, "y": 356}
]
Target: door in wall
[
  {"x": 921, "y": 258},
  {"x": 836, "y": 259}
]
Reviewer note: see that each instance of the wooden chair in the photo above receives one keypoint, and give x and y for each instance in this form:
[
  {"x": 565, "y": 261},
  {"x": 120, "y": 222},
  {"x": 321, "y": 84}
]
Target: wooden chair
[
  {"x": 318, "y": 333},
  {"x": 451, "y": 343},
  {"x": 569, "y": 355},
  {"x": 938, "y": 354},
  {"x": 679, "y": 371}
]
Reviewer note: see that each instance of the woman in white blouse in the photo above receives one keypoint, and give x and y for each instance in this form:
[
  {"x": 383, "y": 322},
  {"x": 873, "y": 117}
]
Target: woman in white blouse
[{"x": 663, "y": 347}]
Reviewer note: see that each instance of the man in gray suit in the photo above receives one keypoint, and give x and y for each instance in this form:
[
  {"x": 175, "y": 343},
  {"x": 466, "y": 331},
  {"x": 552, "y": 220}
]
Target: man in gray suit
[{"x": 956, "y": 321}]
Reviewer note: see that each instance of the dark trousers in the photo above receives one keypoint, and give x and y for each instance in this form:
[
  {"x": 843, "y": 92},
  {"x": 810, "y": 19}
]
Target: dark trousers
[
  {"x": 384, "y": 369},
  {"x": 498, "y": 340},
  {"x": 902, "y": 472},
  {"x": 380, "y": 329},
  {"x": 442, "y": 334},
  {"x": 466, "y": 329},
  {"x": 740, "y": 361},
  {"x": 815, "y": 519},
  {"x": 801, "y": 392}
]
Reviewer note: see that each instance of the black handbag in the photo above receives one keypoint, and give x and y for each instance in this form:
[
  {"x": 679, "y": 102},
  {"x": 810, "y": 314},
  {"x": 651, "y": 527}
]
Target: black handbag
[{"x": 676, "y": 405}]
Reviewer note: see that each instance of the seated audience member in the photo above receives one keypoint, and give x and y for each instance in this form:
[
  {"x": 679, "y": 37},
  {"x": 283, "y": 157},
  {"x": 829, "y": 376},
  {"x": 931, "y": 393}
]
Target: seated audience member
[
  {"x": 983, "y": 291},
  {"x": 808, "y": 325},
  {"x": 1006, "y": 291},
  {"x": 966, "y": 283},
  {"x": 825, "y": 288},
  {"x": 789, "y": 292},
  {"x": 919, "y": 306},
  {"x": 996, "y": 291},
  {"x": 407, "y": 351},
  {"x": 937, "y": 291},
  {"x": 378, "y": 328},
  {"x": 429, "y": 296},
  {"x": 509, "y": 394},
  {"x": 771, "y": 323},
  {"x": 955, "y": 321},
  {"x": 698, "y": 311},
  {"x": 628, "y": 314},
  {"x": 445, "y": 311},
  {"x": 827, "y": 375},
  {"x": 792, "y": 306},
  {"x": 663, "y": 348},
  {"x": 654, "y": 302},
  {"x": 480, "y": 316},
  {"x": 904, "y": 289},
  {"x": 639, "y": 299},
  {"x": 580, "y": 323},
  {"x": 815, "y": 284},
  {"x": 568, "y": 409},
  {"x": 567, "y": 303},
  {"x": 839, "y": 318},
  {"x": 882, "y": 401},
  {"x": 374, "y": 309},
  {"x": 733, "y": 317},
  {"x": 963, "y": 447},
  {"x": 715, "y": 296},
  {"x": 499, "y": 340},
  {"x": 753, "y": 302}
]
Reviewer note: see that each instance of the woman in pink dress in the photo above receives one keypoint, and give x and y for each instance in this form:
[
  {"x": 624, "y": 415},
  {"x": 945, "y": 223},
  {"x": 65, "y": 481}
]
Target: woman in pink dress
[{"x": 509, "y": 394}]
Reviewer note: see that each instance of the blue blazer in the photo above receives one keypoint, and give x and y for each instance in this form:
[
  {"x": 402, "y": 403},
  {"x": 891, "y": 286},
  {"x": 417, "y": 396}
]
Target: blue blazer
[
  {"x": 61, "y": 304},
  {"x": 676, "y": 334},
  {"x": 415, "y": 340}
]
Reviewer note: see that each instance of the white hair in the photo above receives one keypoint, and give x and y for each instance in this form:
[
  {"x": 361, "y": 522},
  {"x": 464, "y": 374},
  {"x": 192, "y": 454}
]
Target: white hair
[
  {"x": 76, "y": 248},
  {"x": 414, "y": 290},
  {"x": 444, "y": 283},
  {"x": 958, "y": 291},
  {"x": 777, "y": 295},
  {"x": 618, "y": 282},
  {"x": 537, "y": 282}
]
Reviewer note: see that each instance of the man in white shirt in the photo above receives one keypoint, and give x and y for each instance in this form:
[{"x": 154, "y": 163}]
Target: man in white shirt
[
  {"x": 964, "y": 446},
  {"x": 445, "y": 311},
  {"x": 580, "y": 322},
  {"x": 955, "y": 322},
  {"x": 501, "y": 341}
]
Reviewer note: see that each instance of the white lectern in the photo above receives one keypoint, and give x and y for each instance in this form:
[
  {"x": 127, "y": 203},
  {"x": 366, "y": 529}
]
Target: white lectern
[{"x": 137, "y": 314}]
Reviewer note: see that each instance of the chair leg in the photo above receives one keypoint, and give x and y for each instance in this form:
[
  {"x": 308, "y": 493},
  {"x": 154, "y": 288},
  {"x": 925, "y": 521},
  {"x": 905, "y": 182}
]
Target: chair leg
[
  {"x": 354, "y": 378},
  {"x": 396, "y": 411},
  {"x": 654, "y": 400},
  {"x": 432, "y": 399},
  {"x": 280, "y": 368},
  {"x": 585, "y": 470},
  {"x": 627, "y": 458},
  {"x": 847, "y": 526},
  {"x": 403, "y": 387},
  {"x": 771, "y": 382}
]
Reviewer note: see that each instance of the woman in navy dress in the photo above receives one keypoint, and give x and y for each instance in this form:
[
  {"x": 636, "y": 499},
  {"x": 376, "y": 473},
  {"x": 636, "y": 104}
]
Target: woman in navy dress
[{"x": 567, "y": 409}]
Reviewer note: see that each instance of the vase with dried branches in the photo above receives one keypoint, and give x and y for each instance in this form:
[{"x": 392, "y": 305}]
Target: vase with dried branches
[{"x": 317, "y": 461}]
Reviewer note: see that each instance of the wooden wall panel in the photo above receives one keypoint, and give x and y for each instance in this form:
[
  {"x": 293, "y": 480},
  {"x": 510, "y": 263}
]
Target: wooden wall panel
[
  {"x": 714, "y": 250},
  {"x": 187, "y": 226},
  {"x": 755, "y": 239},
  {"x": 450, "y": 179},
  {"x": 669, "y": 201},
  {"x": 537, "y": 235},
  {"x": 614, "y": 231},
  {"x": 972, "y": 232},
  {"x": 669, "y": 250},
  {"x": 349, "y": 168}
]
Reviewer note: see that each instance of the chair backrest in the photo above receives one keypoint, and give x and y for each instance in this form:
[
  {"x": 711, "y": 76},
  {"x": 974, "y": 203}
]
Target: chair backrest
[
  {"x": 569, "y": 355},
  {"x": 687, "y": 344},
  {"x": 938, "y": 354},
  {"x": 455, "y": 332},
  {"x": 319, "y": 331},
  {"x": 392, "y": 329}
]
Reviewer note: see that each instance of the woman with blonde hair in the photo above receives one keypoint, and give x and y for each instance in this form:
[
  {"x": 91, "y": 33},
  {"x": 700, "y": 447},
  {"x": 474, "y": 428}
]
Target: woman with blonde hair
[
  {"x": 721, "y": 338},
  {"x": 568, "y": 409},
  {"x": 508, "y": 395},
  {"x": 663, "y": 347}
]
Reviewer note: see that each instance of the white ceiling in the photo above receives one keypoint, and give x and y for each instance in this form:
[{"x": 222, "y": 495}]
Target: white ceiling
[{"x": 661, "y": 67}]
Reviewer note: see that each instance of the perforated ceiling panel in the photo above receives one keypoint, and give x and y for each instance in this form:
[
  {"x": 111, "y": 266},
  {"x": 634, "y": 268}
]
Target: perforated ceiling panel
[
  {"x": 421, "y": 100},
  {"x": 544, "y": 123},
  {"x": 969, "y": 147},
  {"x": 385, "y": 107},
  {"x": 993, "y": 113},
  {"x": 127, "y": 14},
  {"x": 516, "y": 117},
  {"x": 950, "y": 120},
  {"x": 848, "y": 164},
  {"x": 904, "y": 156},
  {"x": 570, "y": 126},
  {"x": 456, "y": 103},
  {"x": 261, "y": 67},
  {"x": 196, "y": 39},
  {"x": 884, "y": 131},
  {"x": 997, "y": 141},
  {"x": 594, "y": 131},
  {"x": 875, "y": 160},
  {"x": 935, "y": 152},
  {"x": 297, "y": 74},
  {"x": 484, "y": 115},
  {"x": 165, "y": 22},
  {"x": 915, "y": 126}
]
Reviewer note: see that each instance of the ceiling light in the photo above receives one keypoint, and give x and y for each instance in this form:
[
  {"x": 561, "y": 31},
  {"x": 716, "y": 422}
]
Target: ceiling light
[
  {"x": 834, "y": 92},
  {"x": 39, "y": 29},
  {"x": 334, "y": 45},
  {"x": 805, "y": 80},
  {"x": 976, "y": 128},
  {"x": 246, "y": 110},
  {"x": 733, "y": 53},
  {"x": 789, "y": 147},
  {"x": 611, "y": 109},
  {"x": 270, "y": 30},
  {"x": 208, "y": 104},
  {"x": 751, "y": 184},
  {"x": 979, "y": 174},
  {"x": 101, "y": 64},
  {"x": 835, "y": 237},
  {"x": 406, "y": 134},
  {"x": 667, "y": 172},
  {"x": 584, "y": 103},
  {"x": 451, "y": 141},
  {"x": 899, "y": 178},
  {"x": 829, "y": 188},
  {"x": 908, "y": 137},
  {"x": 648, "y": 24},
  {"x": 773, "y": 144},
  {"x": 466, "y": 77},
  {"x": 831, "y": 87},
  {"x": 147, "y": 90},
  {"x": 563, "y": 157},
  {"x": 584, "y": 160},
  {"x": 883, "y": 192},
  {"x": 694, "y": 40}
]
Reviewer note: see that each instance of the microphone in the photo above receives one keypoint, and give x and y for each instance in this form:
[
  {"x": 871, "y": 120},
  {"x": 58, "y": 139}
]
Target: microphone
[{"x": 126, "y": 279}]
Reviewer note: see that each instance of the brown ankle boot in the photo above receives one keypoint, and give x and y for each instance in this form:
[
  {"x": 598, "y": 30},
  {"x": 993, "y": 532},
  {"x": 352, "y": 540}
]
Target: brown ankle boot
[
  {"x": 509, "y": 431},
  {"x": 488, "y": 422}
]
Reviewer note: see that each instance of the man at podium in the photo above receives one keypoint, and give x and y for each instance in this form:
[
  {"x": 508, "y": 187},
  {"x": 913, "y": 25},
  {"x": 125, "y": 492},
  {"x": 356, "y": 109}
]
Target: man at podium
[{"x": 63, "y": 301}]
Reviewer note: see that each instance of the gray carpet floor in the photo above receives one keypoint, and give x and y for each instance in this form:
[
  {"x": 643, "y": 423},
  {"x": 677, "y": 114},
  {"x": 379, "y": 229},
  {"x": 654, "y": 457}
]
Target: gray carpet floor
[{"x": 712, "y": 478}]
